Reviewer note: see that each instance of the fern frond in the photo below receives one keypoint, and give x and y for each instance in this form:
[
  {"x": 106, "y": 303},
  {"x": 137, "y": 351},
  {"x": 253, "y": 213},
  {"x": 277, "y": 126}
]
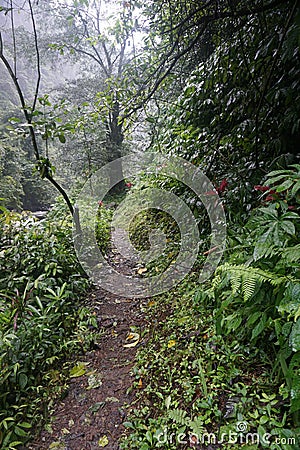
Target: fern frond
[
  {"x": 250, "y": 282},
  {"x": 196, "y": 425},
  {"x": 291, "y": 254},
  {"x": 179, "y": 416},
  {"x": 248, "y": 279}
]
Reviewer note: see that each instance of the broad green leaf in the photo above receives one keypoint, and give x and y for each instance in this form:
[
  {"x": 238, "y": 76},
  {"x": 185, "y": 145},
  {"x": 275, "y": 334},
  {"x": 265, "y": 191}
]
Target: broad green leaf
[
  {"x": 262, "y": 432},
  {"x": 291, "y": 215},
  {"x": 253, "y": 318},
  {"x": 288, "y": 227},
  {"x": 295, "y": 189},
  {"x": 25, "y": 425},
  {"x": 62, "y": 138},
  {"x": 260, "y": 326},
  {"x": 273, "y": 180},
  {"x": 23, "y": 380},
  {"x": 285, "y": 172},
  {"x": 19, "y": 432},
  {"x": 284, "y": 186},
  {"x": 294, "y": 338},
  {"x": 291, "y": 301},
  {"x": 78, "y": 370},
  {"x": 150, "y": 119}
]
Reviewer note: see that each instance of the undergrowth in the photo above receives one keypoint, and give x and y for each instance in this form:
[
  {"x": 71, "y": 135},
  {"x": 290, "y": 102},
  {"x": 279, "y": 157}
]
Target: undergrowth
[
  {"x": 43, "y": 320},
  {"x": 220, "y": 362}
]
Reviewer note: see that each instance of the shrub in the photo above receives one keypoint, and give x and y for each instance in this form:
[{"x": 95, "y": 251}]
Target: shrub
[{"x": 41, "y": 284}]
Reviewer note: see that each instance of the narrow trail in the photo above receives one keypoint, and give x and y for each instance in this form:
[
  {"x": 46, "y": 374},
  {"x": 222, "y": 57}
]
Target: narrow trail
[{"x": 92, "y": 413}]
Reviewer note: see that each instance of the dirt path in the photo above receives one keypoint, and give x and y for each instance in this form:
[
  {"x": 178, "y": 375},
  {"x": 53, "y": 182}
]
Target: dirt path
[{"x": 91, "y": 415}]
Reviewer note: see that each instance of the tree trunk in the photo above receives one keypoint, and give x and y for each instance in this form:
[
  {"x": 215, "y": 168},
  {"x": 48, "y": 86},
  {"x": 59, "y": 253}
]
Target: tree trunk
[{"x": 114, "y": 141}]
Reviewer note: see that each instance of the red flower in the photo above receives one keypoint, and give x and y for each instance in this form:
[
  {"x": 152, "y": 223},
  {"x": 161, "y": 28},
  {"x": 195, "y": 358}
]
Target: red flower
[
  {"x": 261, "y": 188},
  {"x": 100, "y": 203},
  {"x": 128, "y": 185},
  {"x": 219, "y": 189},
  {"x": 270, "y": 196},
  {"x": 291, "y": 207},
  {"x": 223, "y": 186}
]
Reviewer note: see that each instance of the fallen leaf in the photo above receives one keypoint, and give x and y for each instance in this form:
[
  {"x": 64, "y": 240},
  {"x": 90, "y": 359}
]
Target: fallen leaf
[
  {"x": 112, "y": 399},
  {"x": 78, "y": 370},
  {"x": 142, "y": 270},
  {"x": 103, "y": 441},
  {"x": 57, "y": 444},
  {"x": 94, "y": 381},
  {"x": 133, "y": 336},
  {"x": 133, "y": 344},
  {"x": 171, "y": 343},
  {"x": 95, "y": 408},
  {"x": 151, "y": 303},
  {"x": 87, "y": 420},
  {"x": 140, "y": 384}
]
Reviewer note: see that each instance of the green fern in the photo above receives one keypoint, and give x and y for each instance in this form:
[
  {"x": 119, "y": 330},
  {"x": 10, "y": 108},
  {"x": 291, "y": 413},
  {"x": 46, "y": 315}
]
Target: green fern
[
  {"x": 196, "y": 425},
  {"x": 247, "y": 280},
  {"x": 291, "y": 254},
  {"x": 179, "y": 416}
]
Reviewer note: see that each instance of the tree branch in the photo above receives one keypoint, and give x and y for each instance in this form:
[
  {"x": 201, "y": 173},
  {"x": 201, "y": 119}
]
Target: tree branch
[
  {"x": 13, "y": 36},
  {"x": 36, "y": 93},
  {"x": 27, "y": 114},
  {"x": 98, "y": 57},
  {"x": 28, "y": 118},
  {"x": 204, "y": 21}
]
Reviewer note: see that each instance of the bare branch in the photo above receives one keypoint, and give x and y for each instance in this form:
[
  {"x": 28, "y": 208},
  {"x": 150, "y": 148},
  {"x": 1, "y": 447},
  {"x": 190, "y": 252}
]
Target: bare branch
[
  {"x": 107, "y": 56},
  {"x": 27, "y": 114},
  {"x": 98, "y": 57},
  {"x": 12, "y": 20},
  {"x": 37, "y": 86}
]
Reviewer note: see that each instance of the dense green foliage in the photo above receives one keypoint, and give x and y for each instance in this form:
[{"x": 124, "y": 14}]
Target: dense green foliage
[
  {"x": 228, "y": 353},
  {"x": 216, "y": 83},
  {"x": 42, "y": 318},
  {"x": 238, "y": 113}
]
